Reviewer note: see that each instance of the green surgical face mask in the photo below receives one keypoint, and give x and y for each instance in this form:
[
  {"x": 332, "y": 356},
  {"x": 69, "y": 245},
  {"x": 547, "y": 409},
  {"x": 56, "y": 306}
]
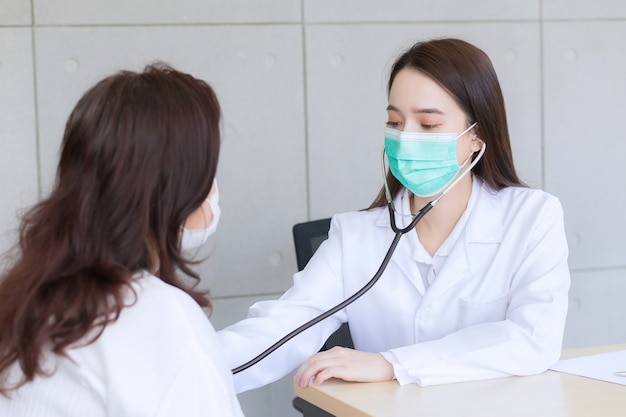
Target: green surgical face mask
[{"x": 424, "y": 163}]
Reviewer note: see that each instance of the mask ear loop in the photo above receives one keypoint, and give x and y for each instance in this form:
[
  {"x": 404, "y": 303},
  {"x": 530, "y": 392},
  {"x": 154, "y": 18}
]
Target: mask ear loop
[
  {"x": 204, "y": 229},
  {"x": 469, "y": 168}
]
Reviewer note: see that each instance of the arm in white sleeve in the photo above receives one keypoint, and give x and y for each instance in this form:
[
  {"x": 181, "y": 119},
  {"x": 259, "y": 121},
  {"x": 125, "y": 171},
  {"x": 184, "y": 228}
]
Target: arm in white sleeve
[{"x": 316, "y": 289}]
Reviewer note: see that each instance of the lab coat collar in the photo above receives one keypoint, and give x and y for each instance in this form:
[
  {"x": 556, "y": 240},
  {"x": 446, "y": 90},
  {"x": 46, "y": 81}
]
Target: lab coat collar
[
  {"x": 483, "y": 226},
  {"x": 485, "y": 222}
]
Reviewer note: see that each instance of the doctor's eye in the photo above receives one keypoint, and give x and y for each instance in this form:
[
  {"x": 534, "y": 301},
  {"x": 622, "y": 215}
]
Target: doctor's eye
[
  {"x": 390, "y": 123},
  {"x": 429, "y": 127}
]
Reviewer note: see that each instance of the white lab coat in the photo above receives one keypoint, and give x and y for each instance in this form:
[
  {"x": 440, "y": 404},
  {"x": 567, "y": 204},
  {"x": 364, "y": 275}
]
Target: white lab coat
[{"x": 497, "y": 307}]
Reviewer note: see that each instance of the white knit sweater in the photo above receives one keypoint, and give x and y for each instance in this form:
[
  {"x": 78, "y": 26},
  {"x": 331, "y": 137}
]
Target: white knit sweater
[{"x": 160, "y": 358}]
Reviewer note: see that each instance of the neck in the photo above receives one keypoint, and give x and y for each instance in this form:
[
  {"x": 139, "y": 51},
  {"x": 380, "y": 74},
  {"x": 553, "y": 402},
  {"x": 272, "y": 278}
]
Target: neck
[{"x": 437, "y": 225}]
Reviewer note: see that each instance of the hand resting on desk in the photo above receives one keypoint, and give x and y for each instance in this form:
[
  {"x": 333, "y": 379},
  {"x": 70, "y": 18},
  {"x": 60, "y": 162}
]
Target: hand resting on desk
[{"x": 343, "y": 363}]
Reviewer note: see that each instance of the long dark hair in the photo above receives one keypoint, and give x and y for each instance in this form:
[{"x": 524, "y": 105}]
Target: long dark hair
[
  {"x": 139, "y": 155},
  {"x": 466, "y": 72}
]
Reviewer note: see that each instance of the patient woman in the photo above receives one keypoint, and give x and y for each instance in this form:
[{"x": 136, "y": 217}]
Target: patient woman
[{"x": 95, "y": 318}]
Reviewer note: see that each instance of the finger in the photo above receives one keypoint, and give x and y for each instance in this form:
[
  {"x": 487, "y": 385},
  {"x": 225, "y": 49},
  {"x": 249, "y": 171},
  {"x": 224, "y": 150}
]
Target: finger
[
  {"x": 302, "y": 376},
  {"x": 308, "y": 370},
  {"x": 332, "y": 363},
  {"x": 312, "y": 366},
  {"x": 325, "y": 374}
]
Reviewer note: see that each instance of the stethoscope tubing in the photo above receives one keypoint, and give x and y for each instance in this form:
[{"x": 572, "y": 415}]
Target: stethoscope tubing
[{"x": 392, "y": 247}]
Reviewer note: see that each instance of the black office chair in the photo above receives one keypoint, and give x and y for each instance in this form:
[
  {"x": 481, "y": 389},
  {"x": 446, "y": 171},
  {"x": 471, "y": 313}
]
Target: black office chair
[{"x": 307, "y": 238}]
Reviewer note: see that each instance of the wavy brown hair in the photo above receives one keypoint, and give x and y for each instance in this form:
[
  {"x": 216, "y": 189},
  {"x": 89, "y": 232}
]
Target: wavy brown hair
[
  {"x": 467, "y": 74},
  {"x": 139, "y": 155}
]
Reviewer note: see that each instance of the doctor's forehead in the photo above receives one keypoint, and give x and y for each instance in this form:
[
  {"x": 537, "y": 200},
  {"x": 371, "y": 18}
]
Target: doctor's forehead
[{"x": 416, "y": 93}]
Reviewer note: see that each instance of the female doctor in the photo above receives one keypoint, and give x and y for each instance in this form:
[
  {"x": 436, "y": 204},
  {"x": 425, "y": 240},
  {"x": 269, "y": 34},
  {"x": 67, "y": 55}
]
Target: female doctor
[{"x": 477, "y": 290}]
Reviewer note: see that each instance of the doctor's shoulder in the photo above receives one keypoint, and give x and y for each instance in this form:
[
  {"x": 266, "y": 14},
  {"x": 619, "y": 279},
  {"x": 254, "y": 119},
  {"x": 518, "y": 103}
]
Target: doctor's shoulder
[
  {"x": 361, "y": 224},
  {"x": 527, "y": 205},
  {"x": 371, "y": 216}
]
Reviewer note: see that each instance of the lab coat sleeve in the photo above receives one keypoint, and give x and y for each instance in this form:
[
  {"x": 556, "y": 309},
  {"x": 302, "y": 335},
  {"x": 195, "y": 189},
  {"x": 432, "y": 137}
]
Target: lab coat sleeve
[
  {"x": 316, "y": 289},
  {"x": 526, "y": 342}
]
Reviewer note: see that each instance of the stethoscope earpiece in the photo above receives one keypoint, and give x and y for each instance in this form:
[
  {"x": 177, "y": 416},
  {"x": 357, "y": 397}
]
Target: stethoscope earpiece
[{"x": 476, "y": 141}]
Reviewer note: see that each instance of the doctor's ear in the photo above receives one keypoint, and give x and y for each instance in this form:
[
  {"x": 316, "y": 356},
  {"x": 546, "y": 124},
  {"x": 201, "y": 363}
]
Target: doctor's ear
[{"x": 477, "y": 142}]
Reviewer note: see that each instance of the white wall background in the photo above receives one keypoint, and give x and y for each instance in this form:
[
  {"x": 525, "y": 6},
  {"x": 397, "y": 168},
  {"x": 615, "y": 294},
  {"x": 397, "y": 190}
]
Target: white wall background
[{"x": 302, "y": 85}]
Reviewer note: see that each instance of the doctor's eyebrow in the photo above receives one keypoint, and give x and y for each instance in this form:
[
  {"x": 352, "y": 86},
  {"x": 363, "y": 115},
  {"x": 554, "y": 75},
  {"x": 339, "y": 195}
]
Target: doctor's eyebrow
[{"x": 416, "y": 111}]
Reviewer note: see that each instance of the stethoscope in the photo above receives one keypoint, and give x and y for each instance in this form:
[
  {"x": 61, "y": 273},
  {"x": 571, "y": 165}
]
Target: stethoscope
[{"x": 392, "y": 247}]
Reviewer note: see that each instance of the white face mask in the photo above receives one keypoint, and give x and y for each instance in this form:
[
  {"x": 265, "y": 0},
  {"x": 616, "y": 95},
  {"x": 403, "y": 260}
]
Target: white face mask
[{"x": 194, "y": 238}]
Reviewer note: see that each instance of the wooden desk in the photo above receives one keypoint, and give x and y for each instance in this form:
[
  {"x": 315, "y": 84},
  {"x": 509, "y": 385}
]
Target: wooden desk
[{"x": 551, "y": 394}]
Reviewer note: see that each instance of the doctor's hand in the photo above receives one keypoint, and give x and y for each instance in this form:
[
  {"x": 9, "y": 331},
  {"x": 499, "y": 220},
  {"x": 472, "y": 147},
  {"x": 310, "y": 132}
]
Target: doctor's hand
[{"x": 346, "y": 364}]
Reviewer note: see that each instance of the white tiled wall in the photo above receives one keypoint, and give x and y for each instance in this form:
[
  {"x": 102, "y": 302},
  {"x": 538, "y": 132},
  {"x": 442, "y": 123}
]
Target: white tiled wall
[
  {"x": 18, "y": 138},
  {"x": 142, "y": 12},
  {"x": 597, "y": 314},
  {"x": 583, "y": 9},
  {"x": 584, "y": 105},
  {"x": 15, "y": 12},
  {"x": 418, "y": 10},
  {"x": 302, "y": 86}
]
